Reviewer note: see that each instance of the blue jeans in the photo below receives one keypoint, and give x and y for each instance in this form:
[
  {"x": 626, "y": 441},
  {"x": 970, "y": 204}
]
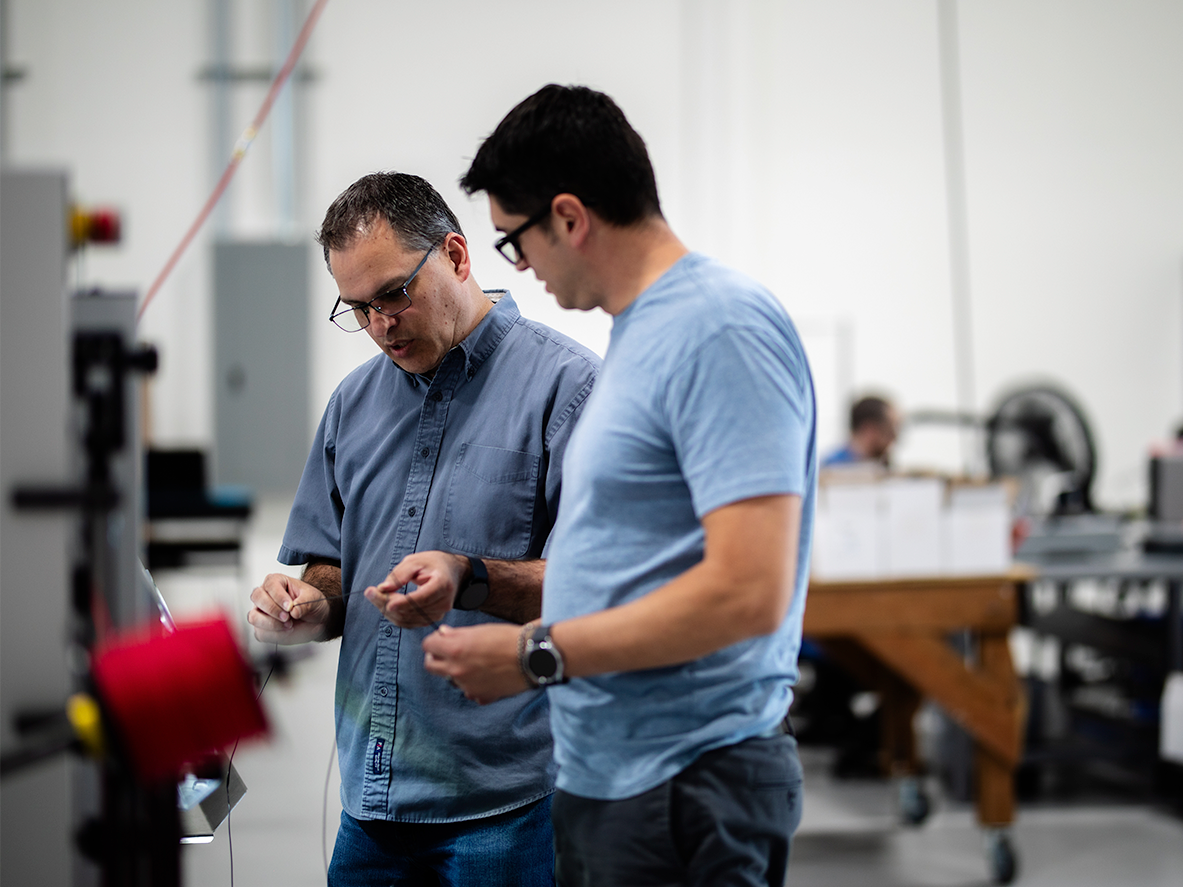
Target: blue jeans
[
  {"x": 514, "y": 849},
  {"x": 727, "y": 819}
]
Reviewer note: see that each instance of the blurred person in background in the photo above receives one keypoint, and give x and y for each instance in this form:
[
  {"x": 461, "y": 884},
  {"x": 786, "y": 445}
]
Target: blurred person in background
[{"x": 874, "y": 427}]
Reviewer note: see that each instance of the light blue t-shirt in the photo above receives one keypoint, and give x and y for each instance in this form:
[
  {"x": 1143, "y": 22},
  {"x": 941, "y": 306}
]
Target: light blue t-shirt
[
  {"x": 705, "y": 399},
  {"x": 466, "y": 461}
]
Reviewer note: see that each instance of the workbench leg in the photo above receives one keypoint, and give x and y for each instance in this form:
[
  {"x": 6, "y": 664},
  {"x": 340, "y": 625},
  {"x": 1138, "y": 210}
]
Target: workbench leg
[
  {"x": 996, "y": 790},
  {"x": 899, "y": 703},
  {"x": 995, "y": 776}
]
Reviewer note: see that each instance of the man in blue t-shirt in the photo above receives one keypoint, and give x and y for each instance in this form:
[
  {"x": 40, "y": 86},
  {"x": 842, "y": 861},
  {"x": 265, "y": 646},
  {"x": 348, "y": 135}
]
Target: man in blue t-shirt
[
  {"x": 676, "y": 577},
  {"x": 429, "y": 496}
]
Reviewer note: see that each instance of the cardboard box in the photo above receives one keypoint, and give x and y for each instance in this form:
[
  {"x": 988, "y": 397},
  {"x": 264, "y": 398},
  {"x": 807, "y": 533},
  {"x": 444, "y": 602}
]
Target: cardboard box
[
  {"x": 878, "y": 528},
  {"x": 977, "y": 537},
  {"x": 847, "y": 531},
  {"x": 911, "y": 515}
]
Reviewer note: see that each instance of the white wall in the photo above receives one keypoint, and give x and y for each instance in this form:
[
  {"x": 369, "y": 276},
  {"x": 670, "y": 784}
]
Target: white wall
[
  {"x": 1074, "y": 133},
  {"x": 110, "y": 95},
  {"x": 800, "y": 141}
]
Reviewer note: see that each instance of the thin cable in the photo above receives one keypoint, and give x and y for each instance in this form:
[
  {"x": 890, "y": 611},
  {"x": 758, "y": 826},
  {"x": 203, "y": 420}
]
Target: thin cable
[
  {"x": 230, "y": 762},
  {"x": 435, "y": 625},
  {"x": 229, "y": 811},
  {"x": 345, "y": 597},
  {"x": 324, "y": 809},
  {"x": 240, "y": 149}
]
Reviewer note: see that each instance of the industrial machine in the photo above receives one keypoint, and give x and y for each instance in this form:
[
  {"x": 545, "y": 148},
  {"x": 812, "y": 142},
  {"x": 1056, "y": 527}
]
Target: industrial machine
[{"x": 108, "y": 708}]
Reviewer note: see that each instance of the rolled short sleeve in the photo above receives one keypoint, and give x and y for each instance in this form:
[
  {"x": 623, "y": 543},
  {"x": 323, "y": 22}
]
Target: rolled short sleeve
[
  {"x": 314, "y": 524},
  {"x": 740, "y": 417}
]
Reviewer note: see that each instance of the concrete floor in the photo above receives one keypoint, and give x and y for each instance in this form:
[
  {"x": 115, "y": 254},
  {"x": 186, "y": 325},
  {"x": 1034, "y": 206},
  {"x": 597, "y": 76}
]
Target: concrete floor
[{"x": 850, "y": 834}]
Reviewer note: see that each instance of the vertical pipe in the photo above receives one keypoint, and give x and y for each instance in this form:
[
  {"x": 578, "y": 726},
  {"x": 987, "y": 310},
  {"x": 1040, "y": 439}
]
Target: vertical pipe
[
  {"x": 955, "y": 195},
  {"x": 221, "y": 137},
  {"x": 283, "y": 125},
  {"x": 3, "y": 81},
  {"x": 844, "y": 337}
]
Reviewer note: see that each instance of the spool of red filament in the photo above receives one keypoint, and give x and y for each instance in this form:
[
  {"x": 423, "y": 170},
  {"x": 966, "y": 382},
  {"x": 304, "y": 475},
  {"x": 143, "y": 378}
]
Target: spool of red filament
[{"x": 179, "y": 696}]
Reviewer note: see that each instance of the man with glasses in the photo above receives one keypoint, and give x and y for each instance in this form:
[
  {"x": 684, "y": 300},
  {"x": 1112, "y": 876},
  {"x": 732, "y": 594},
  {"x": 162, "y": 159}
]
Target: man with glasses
[
  {"x": 676, "y": 577},
  {"x": 428, "y": 499}
]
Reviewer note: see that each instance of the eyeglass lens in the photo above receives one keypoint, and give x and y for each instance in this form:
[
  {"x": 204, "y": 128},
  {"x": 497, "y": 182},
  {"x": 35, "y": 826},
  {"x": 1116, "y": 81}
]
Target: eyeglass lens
[
  {"x": 390, "y": 303},
  {"x": 508, "y": 245},
  {"x": 511, "y": 251}
]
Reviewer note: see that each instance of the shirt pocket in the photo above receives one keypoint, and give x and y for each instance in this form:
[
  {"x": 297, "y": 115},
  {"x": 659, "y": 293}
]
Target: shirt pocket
[{"x": 491, "y": 499}]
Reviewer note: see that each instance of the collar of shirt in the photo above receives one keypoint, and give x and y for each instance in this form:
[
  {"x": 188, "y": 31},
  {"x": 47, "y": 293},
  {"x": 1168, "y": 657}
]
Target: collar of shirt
[{"x": 482, "y": 341}]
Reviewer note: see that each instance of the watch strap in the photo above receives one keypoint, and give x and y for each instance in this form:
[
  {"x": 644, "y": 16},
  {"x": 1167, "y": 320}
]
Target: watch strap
[{"x": 474, "y": 592}]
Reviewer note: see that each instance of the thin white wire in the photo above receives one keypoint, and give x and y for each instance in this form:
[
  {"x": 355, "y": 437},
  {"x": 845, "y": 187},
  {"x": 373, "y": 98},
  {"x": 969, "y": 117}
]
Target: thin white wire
[{"x": 324, "y": 810}]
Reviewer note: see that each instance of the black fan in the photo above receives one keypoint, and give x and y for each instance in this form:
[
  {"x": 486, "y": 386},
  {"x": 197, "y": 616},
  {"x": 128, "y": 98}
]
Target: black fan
[{"x": 1039, "y": 435}]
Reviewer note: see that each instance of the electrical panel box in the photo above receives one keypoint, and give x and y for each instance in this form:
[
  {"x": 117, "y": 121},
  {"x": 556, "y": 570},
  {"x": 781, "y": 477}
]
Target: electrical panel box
[
  {"x": 261, "y": 365},
  {"x": 36, "y": 813}
]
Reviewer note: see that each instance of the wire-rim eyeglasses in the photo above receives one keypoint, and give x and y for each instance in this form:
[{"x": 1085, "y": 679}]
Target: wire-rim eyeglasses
[{"x": 355, "y": 318}]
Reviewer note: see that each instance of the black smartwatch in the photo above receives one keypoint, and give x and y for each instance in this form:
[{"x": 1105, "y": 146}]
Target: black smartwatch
[
  {"x": 541, "y": 661},
  {"x": 473, "y": 593}
]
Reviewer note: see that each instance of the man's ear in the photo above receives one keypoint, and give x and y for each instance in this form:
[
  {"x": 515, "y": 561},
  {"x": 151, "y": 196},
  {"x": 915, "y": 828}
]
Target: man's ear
[
  {"x": 572, "y": 219},
  {"x": 455, "y": 250}
]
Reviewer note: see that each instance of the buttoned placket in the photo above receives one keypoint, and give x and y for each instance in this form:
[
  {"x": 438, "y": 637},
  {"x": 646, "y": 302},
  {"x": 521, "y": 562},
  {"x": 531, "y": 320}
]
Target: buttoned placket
[{"x": 433, "y": 416}]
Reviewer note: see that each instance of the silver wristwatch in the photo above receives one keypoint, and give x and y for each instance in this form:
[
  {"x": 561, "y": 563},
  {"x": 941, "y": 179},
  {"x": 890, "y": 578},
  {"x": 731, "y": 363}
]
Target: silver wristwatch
[{"x": 541, "y": 661}]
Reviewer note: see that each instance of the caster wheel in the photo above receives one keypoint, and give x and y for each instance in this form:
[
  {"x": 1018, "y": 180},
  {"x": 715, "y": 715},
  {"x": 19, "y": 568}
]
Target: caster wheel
[
  {"x": 914, "y": 803},
  {"x": 1001, "y": 858}
]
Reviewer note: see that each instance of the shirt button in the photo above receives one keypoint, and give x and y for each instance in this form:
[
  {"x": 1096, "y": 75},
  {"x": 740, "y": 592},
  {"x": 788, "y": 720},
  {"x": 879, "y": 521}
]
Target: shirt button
[
  {"x": 425, "y": 452},
  {"x": 381, "y": 691},
  {"x": 411, "y": 511},
  {"x": 388, "y": 631},
  {"x": 437, "y": 396}
]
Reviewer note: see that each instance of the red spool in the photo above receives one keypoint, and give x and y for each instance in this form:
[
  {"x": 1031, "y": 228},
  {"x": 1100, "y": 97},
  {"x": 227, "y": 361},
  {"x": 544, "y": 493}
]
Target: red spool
[{"x": 179, "y": 696}]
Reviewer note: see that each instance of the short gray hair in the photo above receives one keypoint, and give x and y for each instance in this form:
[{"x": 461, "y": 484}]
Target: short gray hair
[{"x": 414, "y": 209}]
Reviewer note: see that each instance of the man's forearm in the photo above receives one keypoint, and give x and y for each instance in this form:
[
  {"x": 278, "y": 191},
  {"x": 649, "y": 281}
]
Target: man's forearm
[
  {"x": 515, "y": 589},
  {"x": 326, "y": 577},
  {"x": 684, "y": 620},
  {"x": 741, "y": 589}
]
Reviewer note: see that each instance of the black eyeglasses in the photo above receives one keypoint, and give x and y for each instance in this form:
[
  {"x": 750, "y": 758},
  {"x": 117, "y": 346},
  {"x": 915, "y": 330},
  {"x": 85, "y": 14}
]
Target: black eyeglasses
[
  {"x": 508, "y": 245},
  {"x": 390, "y": 303}
]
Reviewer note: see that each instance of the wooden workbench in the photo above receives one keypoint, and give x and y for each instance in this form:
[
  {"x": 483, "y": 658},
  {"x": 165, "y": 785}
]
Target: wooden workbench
[{"x": 892, "y": 635}]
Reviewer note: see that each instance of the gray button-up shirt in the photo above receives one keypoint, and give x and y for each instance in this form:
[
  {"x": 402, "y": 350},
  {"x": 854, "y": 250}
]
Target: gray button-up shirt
[{"x": 469, "y": 462}]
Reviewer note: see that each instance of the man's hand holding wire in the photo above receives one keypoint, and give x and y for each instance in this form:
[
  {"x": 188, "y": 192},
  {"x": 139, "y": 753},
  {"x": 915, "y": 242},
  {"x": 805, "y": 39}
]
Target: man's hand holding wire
[
  {"x": 288, "y": 610},
  {"x": 437, "y": 575},
  {"x": 481, "y": 660}
]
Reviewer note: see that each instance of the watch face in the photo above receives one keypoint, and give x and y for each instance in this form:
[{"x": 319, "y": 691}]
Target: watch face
[
  {"x": 542, "y": 663},
  {"x": 473, "y": 597}
]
